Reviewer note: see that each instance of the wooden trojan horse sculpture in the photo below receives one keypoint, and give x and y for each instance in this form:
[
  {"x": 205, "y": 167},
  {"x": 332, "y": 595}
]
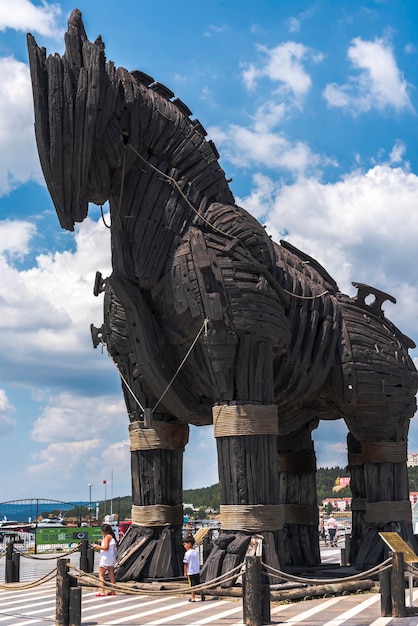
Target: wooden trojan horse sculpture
[{"x": 209, "y": 321}]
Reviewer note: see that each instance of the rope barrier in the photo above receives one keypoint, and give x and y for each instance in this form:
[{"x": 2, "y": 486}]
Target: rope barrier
[
  {"x": 36, "y": 557},
  {"x": 31, "y": 584},
  {"x": 329, "y": 581},
  {"x": 410, "y": 568},
  {"x": 125, "y": 588}
]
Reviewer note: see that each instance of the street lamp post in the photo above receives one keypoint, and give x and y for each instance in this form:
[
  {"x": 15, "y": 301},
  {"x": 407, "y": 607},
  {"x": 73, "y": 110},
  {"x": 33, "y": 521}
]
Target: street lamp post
[
  {"x": 105, "y": 499},
  {"x": 90, "y": 486}
]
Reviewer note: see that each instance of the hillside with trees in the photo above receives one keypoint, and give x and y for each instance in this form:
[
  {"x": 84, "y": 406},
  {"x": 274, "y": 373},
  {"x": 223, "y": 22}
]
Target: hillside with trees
[{"x": 210, "y": 498}]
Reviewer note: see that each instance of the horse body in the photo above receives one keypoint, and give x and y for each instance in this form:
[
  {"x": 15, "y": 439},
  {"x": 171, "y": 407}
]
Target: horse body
[{"x": 203, "y": 310}]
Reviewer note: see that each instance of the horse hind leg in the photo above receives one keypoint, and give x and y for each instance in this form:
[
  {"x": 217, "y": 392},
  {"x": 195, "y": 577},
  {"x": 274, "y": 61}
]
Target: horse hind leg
[
  {"x": 377, "y": 401},
  {"x": 380, "y": 489},
  {"x": 298, "y": 497}
]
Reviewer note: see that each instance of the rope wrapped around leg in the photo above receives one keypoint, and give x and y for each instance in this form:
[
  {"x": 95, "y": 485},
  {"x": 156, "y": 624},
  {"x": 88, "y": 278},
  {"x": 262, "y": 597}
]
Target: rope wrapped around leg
[
  {"x": 170, "y": 437},
  {"x": 236, "y": 421},
  {"x": 157, "y": 515},
  {"x": 162, "y": 435},
  {"x": 247, "y": 419},
  {"x": 253, "y": 518}
]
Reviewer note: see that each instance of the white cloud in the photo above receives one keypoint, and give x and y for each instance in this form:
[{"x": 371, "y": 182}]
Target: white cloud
[
  {"x": 261, "y": 143},
  {"x": 69, "y": 417},
  {"x": 16, "y": 112},
  {"x": 47, "y": 311},
  {"x": 15, "y": 237},
  {"x": 216, "y": 30},
  {"x": 268, "y": 115},
  {"x": 23, "y": 15},
  {"x": 379, "y": 83},
  {"x": 397, "y": 153},
  {"x": 86, "y": 439},
  {"x": 362, "y": 228},
  {"x": 293, "y": 24},
  {"x": 7, "y": 422},
  {"x": 244, "y": 146},
  {"x": 283, "y": 65},
  {"x": 200, "y": 458},
  {"x": 60, "y": 458},
  {"x": 259, "y": 201},
  {"x": 66, "y": 278}
]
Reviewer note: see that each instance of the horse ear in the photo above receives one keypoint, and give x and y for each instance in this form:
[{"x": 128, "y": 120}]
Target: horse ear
[{"x": 74, "y": 39}]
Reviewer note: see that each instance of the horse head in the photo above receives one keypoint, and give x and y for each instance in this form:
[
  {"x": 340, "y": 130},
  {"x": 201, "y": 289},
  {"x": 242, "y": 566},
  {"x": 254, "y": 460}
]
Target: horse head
[{"x": 93, "y": 129}]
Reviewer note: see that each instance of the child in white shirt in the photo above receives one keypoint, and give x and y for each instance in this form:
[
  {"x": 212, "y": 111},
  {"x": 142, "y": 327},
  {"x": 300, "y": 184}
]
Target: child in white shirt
[{"x": 191, "y": 565}]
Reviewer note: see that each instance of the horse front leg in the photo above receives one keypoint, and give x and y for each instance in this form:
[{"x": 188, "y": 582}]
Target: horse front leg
[
  {"x": 157, "y": 491},
  {"x": 153, "y": 546},
  {"x": 246, "y": 437}
]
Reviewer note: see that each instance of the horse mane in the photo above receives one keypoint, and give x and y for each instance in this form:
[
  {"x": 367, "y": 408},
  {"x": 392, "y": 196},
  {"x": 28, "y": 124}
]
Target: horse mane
[{"x": 161, "y": 124}]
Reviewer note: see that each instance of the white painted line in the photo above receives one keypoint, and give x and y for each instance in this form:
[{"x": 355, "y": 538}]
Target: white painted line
[
  {"x": 216, "y": 617},
  {"x": 274, "y": 611},
  {"x": 122, "y": 620},
  {"x": 191, "y": 612},
  {"x": 313, "y": 611},
  {"x": 353, "y": 611},
  {"x": 27, "y": 611},
  {"x": 91, "y": 604}
]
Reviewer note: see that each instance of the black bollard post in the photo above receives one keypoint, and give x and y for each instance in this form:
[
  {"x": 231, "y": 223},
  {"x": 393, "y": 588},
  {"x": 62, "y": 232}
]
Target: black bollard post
[
  {"x": 397, "y": 585},
  {"x": 16, "y": 566},
  {"x": 252, "y": 592},
  {"x": 8, "y": 566},
  {"x": 84, "y": 562},
  {"x": 90, "y": 559},
  {"x": 12, "y": 565},
  {"x": 265, "y": 601},
  {"x": 63, "y": 593},
  {"x": 74, "y": 612},
  {"x": 348, "y": 549},
  {"x": 385, "y": 594}
]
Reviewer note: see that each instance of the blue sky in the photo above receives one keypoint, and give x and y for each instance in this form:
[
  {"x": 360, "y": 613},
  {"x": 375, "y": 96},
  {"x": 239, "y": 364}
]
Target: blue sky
[{"x": 313, "y": 108}]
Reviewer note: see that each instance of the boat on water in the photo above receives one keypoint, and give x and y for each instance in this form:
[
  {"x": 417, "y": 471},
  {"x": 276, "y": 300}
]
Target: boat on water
[{"x": 49, "y": 522}]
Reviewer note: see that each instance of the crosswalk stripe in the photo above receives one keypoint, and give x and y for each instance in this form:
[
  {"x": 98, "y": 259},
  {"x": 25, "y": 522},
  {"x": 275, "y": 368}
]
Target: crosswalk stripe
[
  {"x": 91, "y": 602},
  {"x": 137, "y": 615},
  {"x": 36, "y": 607},
  {"x": 310, "y": 612},
  {"x": 191, "y": 612},
  {"x": 216, "y": 617},
  {"x": 353, "y": 611},
  {"x": 273, "y": 611}
]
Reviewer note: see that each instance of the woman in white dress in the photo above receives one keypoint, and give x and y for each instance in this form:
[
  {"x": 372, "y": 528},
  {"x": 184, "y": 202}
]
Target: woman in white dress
[{"x": 108, "y": 557}]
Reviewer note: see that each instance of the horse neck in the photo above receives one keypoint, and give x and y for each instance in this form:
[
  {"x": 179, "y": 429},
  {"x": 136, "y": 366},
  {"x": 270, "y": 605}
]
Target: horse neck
[{"x": 170, "y": 174}]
